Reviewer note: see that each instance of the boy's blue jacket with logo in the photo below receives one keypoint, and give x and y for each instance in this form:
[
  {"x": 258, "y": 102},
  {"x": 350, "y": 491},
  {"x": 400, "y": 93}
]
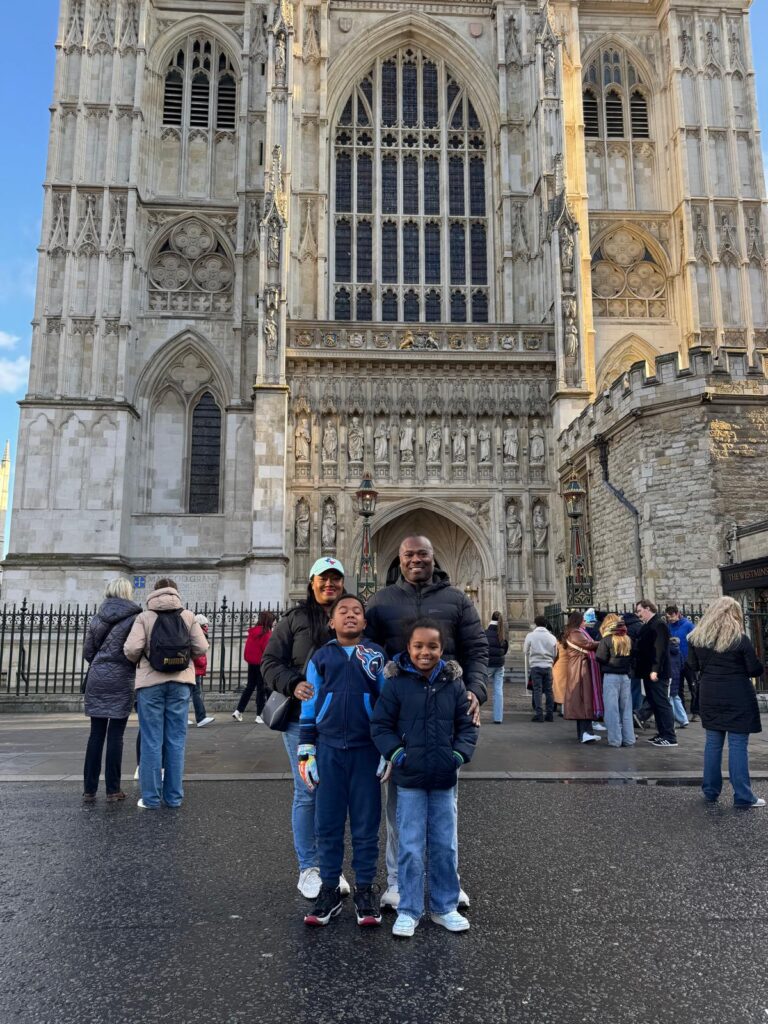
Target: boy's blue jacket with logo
[
  {"x": 346, "y": 689},
  {"x": 428, "y": 717}
]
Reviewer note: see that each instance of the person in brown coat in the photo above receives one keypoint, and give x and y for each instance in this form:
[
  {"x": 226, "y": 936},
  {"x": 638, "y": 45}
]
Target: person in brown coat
[{"x": 578, "y": 648}]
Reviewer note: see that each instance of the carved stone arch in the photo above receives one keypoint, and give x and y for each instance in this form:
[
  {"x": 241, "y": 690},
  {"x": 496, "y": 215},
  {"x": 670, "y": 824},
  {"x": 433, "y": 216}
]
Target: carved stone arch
[
  {"x": 161, "y": 50},
  {"x": 652, "y": 244},
  {"x": 158, "y": 369},
  {"x": 608, "y": 291},
  {"x": 415, "y": 29},
  {"x": 618, "y": 359},
  {"x": 634, "y": 54},
  {"x": 191, "y": 269}
]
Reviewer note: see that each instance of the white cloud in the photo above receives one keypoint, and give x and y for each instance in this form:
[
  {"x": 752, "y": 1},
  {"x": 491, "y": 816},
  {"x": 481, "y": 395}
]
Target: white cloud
[
  {"x": 8, "y": 340},
  {"x": 14, "y": 374}
]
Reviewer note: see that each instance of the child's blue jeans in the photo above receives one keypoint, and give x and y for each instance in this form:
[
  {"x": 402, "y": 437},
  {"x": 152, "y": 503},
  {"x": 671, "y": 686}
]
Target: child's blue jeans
[{"x": 426, "y": 820}]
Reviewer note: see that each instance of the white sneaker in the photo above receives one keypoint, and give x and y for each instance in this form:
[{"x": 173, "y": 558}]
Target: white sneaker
[
  {"x": 453, "y": 922},
  {"x": 344, "y": 886},
  {"x": 237, "y": 715},
  {"x": 136, "y": 773},
  {"x": 206, "y": 721},
  {"x": 390, "y": 899},
  {"x": 259, "y": 720},
  {"x": 463, "y": 899},
  {"x": 404, "y": 926},
  {"x": 598, "y": 727},
  {"x": 140, "y": 803},
  {"x": 759, "y": 803},
  {"x": 309, "y": 883},
  {"x": 589, "y": 738}
]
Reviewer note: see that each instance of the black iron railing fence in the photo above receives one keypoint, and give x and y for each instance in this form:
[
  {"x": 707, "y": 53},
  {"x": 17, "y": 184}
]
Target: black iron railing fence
[{"x": 41, "y": 646}]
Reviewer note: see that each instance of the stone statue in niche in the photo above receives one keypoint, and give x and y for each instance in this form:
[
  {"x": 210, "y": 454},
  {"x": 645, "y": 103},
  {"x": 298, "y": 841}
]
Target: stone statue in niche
[
  {"x": 407, "y": 440},
  {"x": 514, "y": 529},
  {"x": 550, "y": 66},
  {"x": 273, "y": 244},
  {"x": 537, "y": 450},
  {"x": 459, "y": 443},
  {"x": 484, "y": 445},
  {"x": 330, "y": 443},
  {"x": 566, "y": 247},
  {"x": 540, "y": 528},
  {"x": 280, "y": 62},
  {"x": 328, "y": 526},
  {"x": 355, "y": 441},
  {"x": 434, "y": 443},
  {"x": 302, "y": 441},
  {"x": 270, "y": 330},
  {"x": 302, "y": 524},
  {"x": 511, "y": 443},
  {"x": 381, "y": 443},
  {"x": 571, "y": 339}
]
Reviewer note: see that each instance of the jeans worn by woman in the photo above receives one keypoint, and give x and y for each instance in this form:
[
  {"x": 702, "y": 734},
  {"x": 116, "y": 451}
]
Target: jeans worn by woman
[
  {"x": 163, "y": 713},
  {"x": 303, "y": 811},
  {"x": 498, "y": 693},
  {"x": 738, "y": 767},
  {"x": 617, "y": 698},
  {"x": 426, "y": 822}
]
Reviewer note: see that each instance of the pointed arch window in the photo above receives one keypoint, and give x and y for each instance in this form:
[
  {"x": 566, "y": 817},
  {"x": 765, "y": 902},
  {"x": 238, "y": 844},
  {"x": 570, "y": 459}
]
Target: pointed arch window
[
  {"x": 200, "y": 86},
  {"x": 205, "y": 456},
  {"x": 414, "y": 214},
  {"x": 607, "y": 97}
]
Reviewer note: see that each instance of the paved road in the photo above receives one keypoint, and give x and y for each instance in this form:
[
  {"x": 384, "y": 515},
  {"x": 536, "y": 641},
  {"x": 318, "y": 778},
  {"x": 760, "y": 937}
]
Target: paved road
[{"x": 590, "y": 903}]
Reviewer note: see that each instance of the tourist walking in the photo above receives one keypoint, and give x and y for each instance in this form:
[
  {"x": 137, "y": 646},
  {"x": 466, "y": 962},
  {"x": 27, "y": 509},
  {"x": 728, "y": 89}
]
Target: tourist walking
[
  {"x": 421, "y": 726},
  {"x": 163, "y": 641},
  {"x": 337, "y": 756},
  {"x": 681, "y": 627},
  {"x": 255, "y": 645},
  {"x": 614, "y": 655},
  {"x": 541, "y": 651},
  {"x": 498, "y": 645},
  {"x": 202, "y": 718},
  {"x": 420, "y": 590},
  {"x": 723, "y": 656},
  {"x": 582, "y": 677},
  {"x": 284, "y": 665},
  {"x": 652, "y": 666},
  {"x": 676, "y": 683},
  {"x": 109, "y": 687}
]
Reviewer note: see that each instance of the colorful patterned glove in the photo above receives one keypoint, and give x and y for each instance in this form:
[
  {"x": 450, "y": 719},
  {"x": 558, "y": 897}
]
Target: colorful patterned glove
[
  {"x": 458, "y": 759},
  {"x": 308, "y": 766},
  {"x": 384, "y": 770},
  {"x": 398, "y": 757}
]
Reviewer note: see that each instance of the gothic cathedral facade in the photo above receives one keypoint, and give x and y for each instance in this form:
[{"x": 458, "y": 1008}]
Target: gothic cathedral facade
[{"x": 287, "y": 243}]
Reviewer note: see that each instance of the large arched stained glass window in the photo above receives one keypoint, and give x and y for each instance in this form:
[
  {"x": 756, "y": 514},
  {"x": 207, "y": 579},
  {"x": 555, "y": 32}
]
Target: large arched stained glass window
[{"x": 410, "y": 232}]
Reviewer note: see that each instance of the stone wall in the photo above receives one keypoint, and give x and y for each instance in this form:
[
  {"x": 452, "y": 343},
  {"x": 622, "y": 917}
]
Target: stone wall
[{"x": 686, "y": 448}]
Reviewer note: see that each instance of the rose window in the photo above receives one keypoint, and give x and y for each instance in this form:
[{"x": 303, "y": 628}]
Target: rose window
[
  {"x": 627, "y": 281},
  {"x": 191, "y": 273}
]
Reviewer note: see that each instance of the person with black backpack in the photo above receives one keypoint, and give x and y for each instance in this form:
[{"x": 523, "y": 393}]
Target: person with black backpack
[{"x": 163, "y": 641}]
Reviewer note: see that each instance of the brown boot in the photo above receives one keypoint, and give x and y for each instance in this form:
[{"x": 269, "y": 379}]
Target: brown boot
[{"x": 114, "y": 797}]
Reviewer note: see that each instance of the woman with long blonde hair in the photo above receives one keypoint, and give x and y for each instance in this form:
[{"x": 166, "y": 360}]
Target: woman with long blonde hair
[
  {"x": 722, "y": 654},
  {"x": 614, "y": 655}
]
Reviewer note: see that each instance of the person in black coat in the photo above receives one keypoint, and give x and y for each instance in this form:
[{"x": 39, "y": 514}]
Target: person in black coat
[
  {"x": 725, "y": 659},
  {"x": 421, "y": 591},
  {"x": 108, "y": 688},
  {"x": 498, "y": 645},
  {"x": 651, "y": 660}
]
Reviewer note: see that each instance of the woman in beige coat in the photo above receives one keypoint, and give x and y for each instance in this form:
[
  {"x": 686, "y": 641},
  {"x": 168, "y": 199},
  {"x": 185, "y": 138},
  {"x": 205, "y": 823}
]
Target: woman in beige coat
[
  {"x": 581, "y": 676},
  {"x": 163, "y": 698}
]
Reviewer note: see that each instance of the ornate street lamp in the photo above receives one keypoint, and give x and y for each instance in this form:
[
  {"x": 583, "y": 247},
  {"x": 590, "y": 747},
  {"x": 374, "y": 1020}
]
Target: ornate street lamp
[
  {"x": 366, "y": 496},
  {"x": 578, "y": 582}
]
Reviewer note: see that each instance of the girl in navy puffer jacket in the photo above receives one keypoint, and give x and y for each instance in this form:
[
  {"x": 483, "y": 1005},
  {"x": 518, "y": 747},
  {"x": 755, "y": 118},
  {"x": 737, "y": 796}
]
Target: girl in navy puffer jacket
[{"x": 422, "y": 727}]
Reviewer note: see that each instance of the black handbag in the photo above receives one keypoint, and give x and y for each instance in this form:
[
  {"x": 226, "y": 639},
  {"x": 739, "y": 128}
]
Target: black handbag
[{"x": 277, "y": 711}]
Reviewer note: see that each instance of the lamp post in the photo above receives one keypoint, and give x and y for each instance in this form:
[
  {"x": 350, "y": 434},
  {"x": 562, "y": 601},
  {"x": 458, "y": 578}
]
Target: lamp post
[
  {"x": 578, "y": 582},
  {"x": 366, "y": 496}
]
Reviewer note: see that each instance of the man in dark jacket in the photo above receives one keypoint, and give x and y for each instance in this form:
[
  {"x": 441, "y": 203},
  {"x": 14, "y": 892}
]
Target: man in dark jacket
[
  {"x": 652, "y": 666},
  {"x": 423, "y": 591}
]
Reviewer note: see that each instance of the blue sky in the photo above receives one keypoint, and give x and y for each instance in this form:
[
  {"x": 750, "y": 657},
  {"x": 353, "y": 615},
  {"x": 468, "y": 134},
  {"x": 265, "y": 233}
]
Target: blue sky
[{"x": 24, "y": 102}]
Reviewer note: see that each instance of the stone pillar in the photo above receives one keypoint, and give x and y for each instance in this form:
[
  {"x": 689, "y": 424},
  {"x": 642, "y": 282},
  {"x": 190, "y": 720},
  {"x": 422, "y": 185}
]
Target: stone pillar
[{"x": 269, "y": 557}]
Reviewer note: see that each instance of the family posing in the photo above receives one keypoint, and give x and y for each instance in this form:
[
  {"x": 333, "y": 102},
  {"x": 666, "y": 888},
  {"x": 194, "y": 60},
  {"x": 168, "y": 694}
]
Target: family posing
[{"x": 393, "y": 697}]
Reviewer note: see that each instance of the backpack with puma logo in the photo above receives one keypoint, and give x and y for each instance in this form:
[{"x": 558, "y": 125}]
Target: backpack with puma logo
[{"x": 170, "y": 645}]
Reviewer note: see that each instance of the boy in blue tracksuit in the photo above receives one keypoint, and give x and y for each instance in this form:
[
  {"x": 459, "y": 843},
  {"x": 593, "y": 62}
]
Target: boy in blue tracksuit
[{"x": 337, "y": 755}]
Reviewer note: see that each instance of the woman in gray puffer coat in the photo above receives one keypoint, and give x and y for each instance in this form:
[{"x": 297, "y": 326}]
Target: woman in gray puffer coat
[{"x": 109, "y": 689}]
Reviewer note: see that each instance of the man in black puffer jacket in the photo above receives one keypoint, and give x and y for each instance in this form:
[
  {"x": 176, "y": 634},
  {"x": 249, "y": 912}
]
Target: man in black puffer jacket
[{"x": 423, "y": 591}]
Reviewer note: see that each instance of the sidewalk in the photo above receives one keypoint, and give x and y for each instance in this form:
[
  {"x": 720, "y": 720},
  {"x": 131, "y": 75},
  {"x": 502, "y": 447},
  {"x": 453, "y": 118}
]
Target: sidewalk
[{"x": 48, "y": 748}]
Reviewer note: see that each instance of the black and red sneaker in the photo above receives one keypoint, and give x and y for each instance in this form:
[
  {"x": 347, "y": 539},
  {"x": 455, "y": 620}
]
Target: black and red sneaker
[
  {"x": 327, "y": 905},
  {"x": 366, "y": 906}
]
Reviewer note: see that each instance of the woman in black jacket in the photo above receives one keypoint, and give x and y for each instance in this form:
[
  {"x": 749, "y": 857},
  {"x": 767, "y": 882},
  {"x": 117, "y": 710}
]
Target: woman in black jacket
[
  {"x": 109, "y": 688},
  {"x": 498, "y": 645},
  {"x": 725, "y": 659},
  {"x": 284, "y": 666}
]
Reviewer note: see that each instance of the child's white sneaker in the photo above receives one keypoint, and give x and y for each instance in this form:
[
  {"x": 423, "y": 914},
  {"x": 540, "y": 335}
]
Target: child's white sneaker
[
  {"x": 237, "y": 715},
  {"x": 404, "y": 926},
  {"x": 589, "y": 738},
  {"x": 390, "y": 898},
  {"x": 309, "y": 883},
  {"x": 453, "y": 921},
  {"x": 344, "y": 886}
]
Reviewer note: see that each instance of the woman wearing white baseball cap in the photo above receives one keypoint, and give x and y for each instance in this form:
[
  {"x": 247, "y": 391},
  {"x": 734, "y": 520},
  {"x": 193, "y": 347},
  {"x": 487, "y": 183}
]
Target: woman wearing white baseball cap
[{"x": 293, "y": 642}]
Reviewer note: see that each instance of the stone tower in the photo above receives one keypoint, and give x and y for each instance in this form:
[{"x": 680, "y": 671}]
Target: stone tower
[{"x": 287, "y": 242}]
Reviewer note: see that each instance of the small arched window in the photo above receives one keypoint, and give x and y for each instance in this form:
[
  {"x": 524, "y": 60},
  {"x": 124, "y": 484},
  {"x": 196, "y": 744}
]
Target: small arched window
[
  {"x": 591, "y": 115},
  {"x": 638, "y": 109},
  {"x": 200, "y": 78},
  {"x": 205, "y": 456},
  {"x": 614, "y": 115},
  {"x": 605, "y": 108}
]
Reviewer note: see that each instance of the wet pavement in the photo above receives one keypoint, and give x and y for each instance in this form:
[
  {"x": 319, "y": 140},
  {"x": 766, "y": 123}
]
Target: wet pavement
[
  {"x": 610, "y": 903},
  {"x": 51, "y": 747}
]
